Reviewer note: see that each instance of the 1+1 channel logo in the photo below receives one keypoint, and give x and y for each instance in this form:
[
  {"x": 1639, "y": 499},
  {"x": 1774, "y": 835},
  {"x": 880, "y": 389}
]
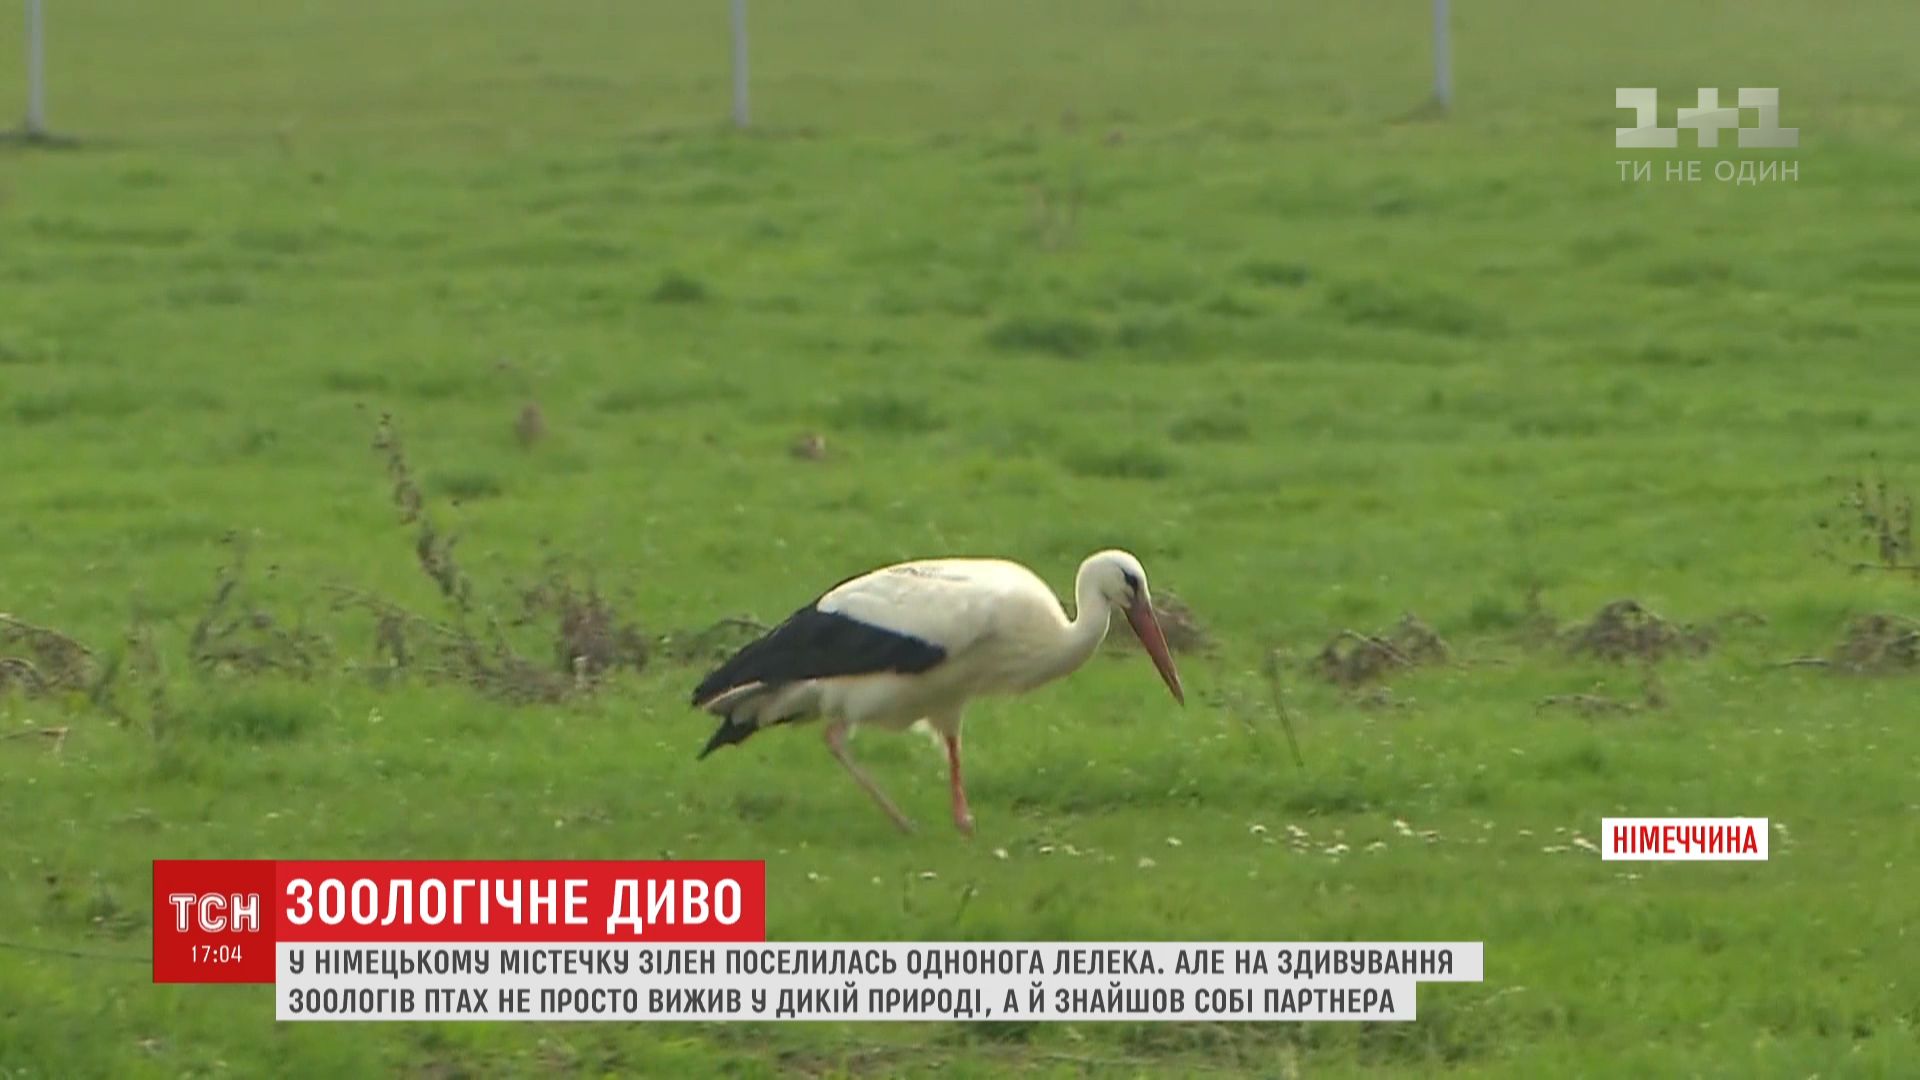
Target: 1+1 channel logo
[{"x": 1708, "y": 118}]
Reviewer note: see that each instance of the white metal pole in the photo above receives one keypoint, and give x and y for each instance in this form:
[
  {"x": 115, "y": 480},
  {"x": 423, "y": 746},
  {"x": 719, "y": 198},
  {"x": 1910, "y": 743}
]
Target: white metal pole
[
  {"x": 739, "y": 63},
  {"x": 36, "y": 71},
  {"x": 1442, "y": 57}
]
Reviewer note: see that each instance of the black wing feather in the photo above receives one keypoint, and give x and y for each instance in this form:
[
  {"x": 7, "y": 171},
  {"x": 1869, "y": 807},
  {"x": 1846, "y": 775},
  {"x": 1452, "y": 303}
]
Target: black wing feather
[{"x": 815, "y": 644}]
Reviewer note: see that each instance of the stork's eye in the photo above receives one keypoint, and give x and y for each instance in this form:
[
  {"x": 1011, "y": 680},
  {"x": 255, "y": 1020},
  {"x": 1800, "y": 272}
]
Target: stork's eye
[{"x": 1133, "y": 582}]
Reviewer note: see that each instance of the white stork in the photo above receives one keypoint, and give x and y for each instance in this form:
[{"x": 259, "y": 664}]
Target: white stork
[{"x": 919, "y": 640}]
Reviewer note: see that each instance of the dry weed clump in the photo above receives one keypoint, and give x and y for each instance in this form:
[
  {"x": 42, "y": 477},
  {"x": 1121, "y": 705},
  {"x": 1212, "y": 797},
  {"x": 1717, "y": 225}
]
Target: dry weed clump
[
  {"x": 235, "y": 634},
  {"x": 1537, "y": 625},
  {"x": 531, "y": 425},
  {"x": 405, "y": 641},
  {"x": 1878, "y": 644},
  {"x": 1351, "y": 659},
  {"x": 809, "y": 447},
  {"x": 44, "y": 662},
  {"x": 1652, "y": 697},
  {"x": 1239, "y": 703},
  {"x": 1056, "y": 213},
  {"x": 1627, "y": 630},
  {"x": 1880, "y": 519},
  {"x": 39, "y": 661},
  {"x": 432, "y": 549},
  {"x": 587, "y": 637},
  {"x": 1876, "y": 518},
  {"x": 712, "y": 643}
]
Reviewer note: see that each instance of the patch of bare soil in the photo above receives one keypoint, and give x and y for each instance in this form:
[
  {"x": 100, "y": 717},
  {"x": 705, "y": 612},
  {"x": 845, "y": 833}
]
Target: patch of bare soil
[{"x": 1627, "y": 630}]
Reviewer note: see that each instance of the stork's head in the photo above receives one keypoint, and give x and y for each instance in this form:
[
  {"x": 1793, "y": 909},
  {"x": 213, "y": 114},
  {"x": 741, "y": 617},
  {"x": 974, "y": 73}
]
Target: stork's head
[{"x": 1117, "y": 577}]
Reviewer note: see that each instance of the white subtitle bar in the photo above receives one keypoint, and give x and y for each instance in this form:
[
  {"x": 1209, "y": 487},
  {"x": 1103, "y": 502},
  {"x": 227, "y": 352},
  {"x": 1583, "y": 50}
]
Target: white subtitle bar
[{"x": 1063, "y": 981}]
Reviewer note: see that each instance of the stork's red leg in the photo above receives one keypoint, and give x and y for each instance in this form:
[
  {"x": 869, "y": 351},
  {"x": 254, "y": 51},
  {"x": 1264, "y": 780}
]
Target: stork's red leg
[
  {"x": 962, "y": 817},
  {"x": 837, "y": 742}
]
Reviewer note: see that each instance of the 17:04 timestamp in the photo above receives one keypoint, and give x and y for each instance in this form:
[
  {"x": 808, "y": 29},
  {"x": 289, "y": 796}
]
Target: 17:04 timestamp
[{"x": 216, "y": 954}]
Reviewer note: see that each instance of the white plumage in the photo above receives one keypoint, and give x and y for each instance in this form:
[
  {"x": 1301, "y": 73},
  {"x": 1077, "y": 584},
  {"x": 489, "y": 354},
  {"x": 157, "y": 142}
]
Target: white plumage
[{"x": 917, "y": 641}]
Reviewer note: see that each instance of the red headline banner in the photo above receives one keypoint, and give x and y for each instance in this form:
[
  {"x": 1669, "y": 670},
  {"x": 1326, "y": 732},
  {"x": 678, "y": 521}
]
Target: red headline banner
[{"x": 220, "y": 920}]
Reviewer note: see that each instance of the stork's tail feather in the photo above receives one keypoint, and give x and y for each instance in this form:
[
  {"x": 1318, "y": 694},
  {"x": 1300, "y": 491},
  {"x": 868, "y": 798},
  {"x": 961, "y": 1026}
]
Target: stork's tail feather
[
  {"x": 732, "y": 729},
  {"x": 743, "y": 710}
]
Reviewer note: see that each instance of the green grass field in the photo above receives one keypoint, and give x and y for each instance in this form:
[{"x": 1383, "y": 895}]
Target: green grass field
[{"x": 1199, "y": 279}]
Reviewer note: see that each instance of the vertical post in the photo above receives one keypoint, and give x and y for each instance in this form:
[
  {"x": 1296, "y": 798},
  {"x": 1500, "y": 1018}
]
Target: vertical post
[
  {"x": 36, "y": 71},
  {"x": 740, "y": 63},
  {"x": 1442, "y": 57}
]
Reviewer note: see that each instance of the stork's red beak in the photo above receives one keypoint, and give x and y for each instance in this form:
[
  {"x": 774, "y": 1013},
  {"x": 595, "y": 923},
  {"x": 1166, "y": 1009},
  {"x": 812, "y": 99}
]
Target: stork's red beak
[{"x": 1148, "y": 629}]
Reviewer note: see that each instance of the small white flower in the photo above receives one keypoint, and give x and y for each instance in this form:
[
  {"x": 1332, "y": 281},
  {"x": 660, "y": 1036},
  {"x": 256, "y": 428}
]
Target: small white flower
[
  {"x": 1173, "y": 841},
  {"x": 1145, "y": 863},
  {"x": 999, "y": 853}
]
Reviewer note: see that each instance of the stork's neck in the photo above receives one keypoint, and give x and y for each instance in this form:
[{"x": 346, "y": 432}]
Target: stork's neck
[{"x": 1081, "y": 637}]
